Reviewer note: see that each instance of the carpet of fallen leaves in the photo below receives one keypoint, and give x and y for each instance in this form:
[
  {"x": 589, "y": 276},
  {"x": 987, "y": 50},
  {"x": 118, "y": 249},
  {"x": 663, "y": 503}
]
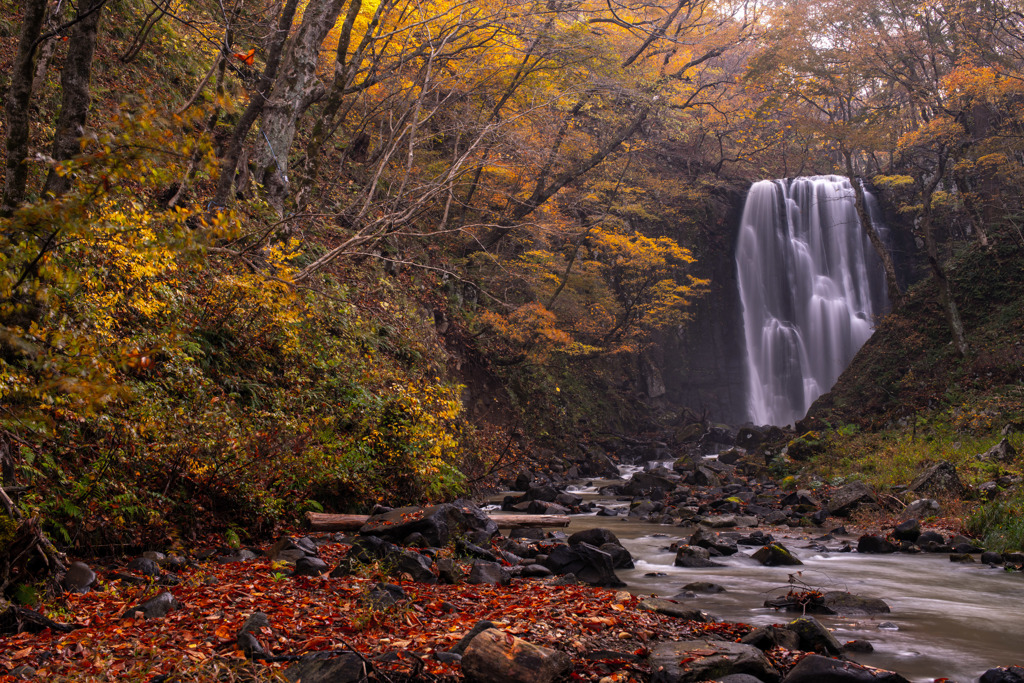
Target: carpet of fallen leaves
[{"x": 604, "y": 631}]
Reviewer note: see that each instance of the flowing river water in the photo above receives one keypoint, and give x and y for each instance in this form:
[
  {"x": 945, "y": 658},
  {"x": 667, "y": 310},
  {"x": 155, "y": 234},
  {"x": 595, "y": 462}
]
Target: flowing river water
[{"x": 948, "y": 620}]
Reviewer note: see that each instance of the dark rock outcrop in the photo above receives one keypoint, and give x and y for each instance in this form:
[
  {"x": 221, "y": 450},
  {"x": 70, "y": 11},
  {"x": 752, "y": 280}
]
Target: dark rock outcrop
[
  {"x": 818, "y": 669},
  {"x": 702, "y": 660}
]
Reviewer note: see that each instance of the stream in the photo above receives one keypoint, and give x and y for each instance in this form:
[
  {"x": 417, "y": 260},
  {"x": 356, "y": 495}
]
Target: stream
[{"x": 948, "y": 620}]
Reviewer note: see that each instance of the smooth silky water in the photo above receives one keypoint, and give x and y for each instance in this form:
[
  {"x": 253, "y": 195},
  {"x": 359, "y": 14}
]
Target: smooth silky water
[{"x": 955, "y": 621}]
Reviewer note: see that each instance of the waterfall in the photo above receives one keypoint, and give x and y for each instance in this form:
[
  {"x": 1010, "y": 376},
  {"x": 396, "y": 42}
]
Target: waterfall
[{"x": 811, "y": 286}]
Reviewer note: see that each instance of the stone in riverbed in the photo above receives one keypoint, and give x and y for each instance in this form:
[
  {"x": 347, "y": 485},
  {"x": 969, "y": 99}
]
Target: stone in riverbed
[
  {"x": 813, "y": 636},
  {"x": 776, "y": 555},
  {"x": 847, "y": 604},
  {"x": 768, "y": 637},
  {"x": 704, "y": 587},
  {"x": 708, "y": 539},
  {"x": 707, "y": 660},
  {"x": 875, "y": 545},
  {"x": 694, "y": 557},
  {"x": 909, "y": 530},
  {"x": 1002, "y": 674},
  {"x": 590, "y": 565},
  {"x": 595, "y": 537},
  {"x": 674, "y": 609},
  {"x": 818, "y": 669}
]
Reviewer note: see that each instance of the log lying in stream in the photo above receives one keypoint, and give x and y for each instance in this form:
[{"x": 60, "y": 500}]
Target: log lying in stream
[{"x": 322, "y": 521}]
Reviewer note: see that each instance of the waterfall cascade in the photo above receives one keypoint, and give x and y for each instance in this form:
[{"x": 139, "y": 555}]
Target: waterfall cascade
[{"x": 811, "y": 286}]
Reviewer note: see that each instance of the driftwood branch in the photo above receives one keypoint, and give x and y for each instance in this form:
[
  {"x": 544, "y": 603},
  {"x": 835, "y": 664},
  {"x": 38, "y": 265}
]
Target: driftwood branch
[{"x": 322, "y": 521}]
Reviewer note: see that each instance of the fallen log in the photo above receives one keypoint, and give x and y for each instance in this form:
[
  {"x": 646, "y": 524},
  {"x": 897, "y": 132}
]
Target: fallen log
[{"x": 322, "y": 521}]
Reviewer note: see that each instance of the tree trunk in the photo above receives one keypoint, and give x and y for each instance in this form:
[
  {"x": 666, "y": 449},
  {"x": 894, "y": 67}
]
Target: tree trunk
[
  {"x": 75, "y": 95},
  {"x": 893, "y": 285},
  {"x": 289, "y": 97},
  {"x": 956, "y": 325},
  {"x": 19, "y": 99},
  {"x": 255, "y": 108}
]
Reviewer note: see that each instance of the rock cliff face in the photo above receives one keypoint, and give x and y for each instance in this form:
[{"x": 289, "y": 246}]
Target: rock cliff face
[{"x": 702, "y": 364}]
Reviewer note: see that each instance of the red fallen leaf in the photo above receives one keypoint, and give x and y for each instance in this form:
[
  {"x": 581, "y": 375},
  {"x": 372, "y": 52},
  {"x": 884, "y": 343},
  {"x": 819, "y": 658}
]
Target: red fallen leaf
[{"x": 21, "y": 654}]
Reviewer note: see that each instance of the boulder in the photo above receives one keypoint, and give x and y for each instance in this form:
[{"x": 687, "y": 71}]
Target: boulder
[
  {"x": 79, "y": 578},
  {"x": 848, "y": 604},
  {"x": 709, "y": 539},
  {"x": 802, "y": 497},
  {"x": 417, "y": 566},
  {"x": 776, "y": 555},
  {"x": 703, "y": 660},
  {"x": 694, "y": 557},
  {"x": 347, "y": 667},
  {"x": 768, "y": 637},
  {"x": 875, "y": 545},
  {"x": 494, "y": 656},
  {"x": 290, "y": 549},
  {"x": 818, "y": 669},
  {"x": 1003, "y": 674},
  {"x": 643, "y": 483},
  {"x": 310, "y": 566},
  {"x": 921, "y": 508},
  {"x": 928, "y": 538},
  {"x": 719, "y": 521},
  {"x": 907, "y": 531},
  {"x": 813, "y": 636},
  {"x": 673, "y": 609},
  {"x": 848, "y": 498},
  {"x": 595, "y": 537},
  {"x": 704, "y": 587},
  {"x": 489, "y": 572},
  {"x": 1002, "y": 452},
  {"x": 144, "y": 566},
  {"x": 155, "y": 607},
  {"x": 938, "y": 480},
  {"x": 621, "y": 558},
  {"x": 439, "y": 524},
  {"x": 385, "y": 595},
  {"x": 590, "y": 565}
]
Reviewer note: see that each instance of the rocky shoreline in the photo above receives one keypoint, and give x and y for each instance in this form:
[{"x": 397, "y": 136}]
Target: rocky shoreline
[{"x": 437, "y": 593}]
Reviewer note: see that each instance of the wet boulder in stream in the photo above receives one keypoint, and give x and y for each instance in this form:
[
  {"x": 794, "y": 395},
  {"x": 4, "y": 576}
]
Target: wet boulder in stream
[
  {"x": 776, "y": 555},
  {"x": 818, "y": 669},
  {"x": 694, "y": 557},
  {"x": 643, "y": 483},
  {"x": 588, "y": 563},
  {"x": 875, "y": 545},
  {"x": 706, "y": 538}
]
